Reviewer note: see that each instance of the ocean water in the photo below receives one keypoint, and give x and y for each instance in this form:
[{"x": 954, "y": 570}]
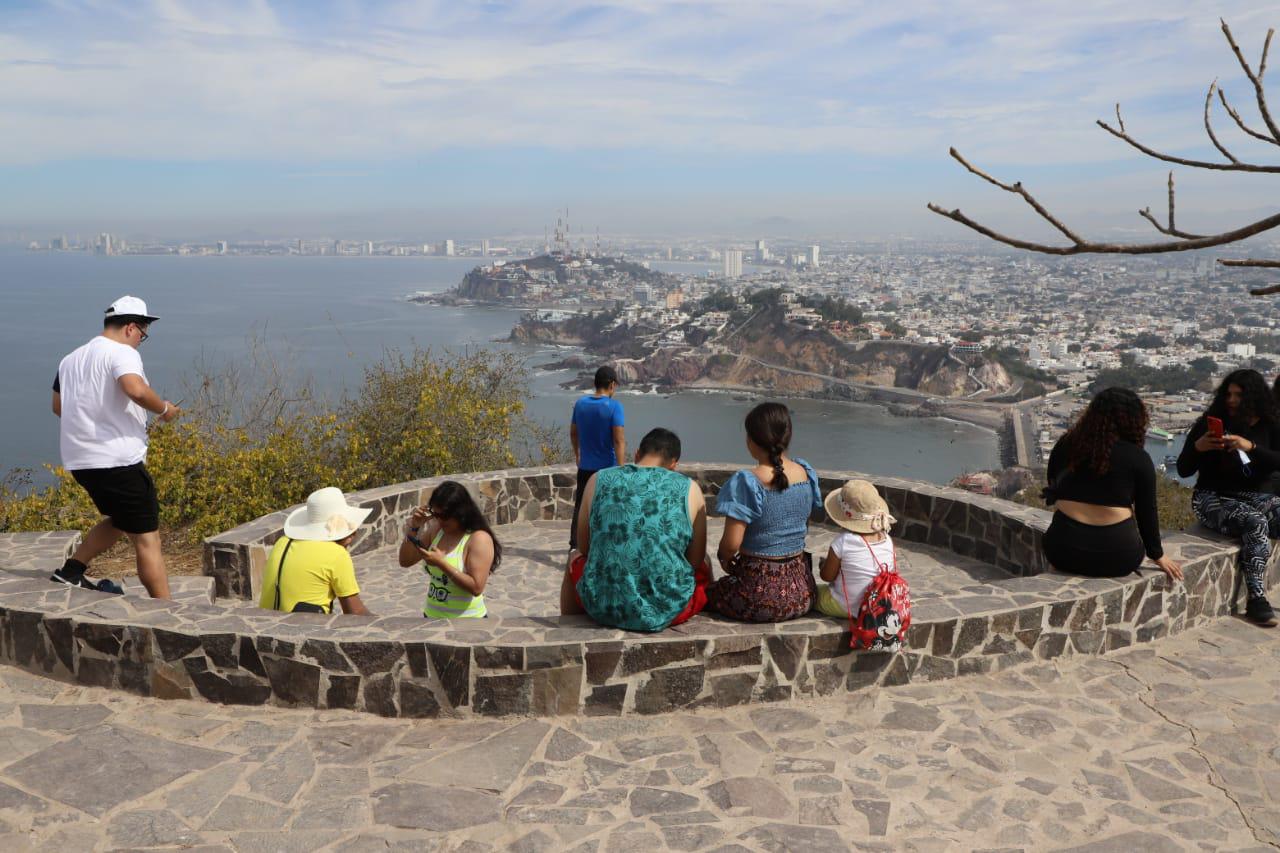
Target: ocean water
[{"x": 330, "y": 317}]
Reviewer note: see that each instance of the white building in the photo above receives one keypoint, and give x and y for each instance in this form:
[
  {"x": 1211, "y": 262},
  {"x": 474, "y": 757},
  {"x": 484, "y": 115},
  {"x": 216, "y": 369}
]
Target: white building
[
  {"x": 222, "y": 247},
  {"x": 446, "y": 248},
  {"x": 1242, "y": 350},
  {"x": 484, "y": 248},
  {"x": 762, "y": 252},
  {"x": 368, "y": 247},
  {"x": 733, "y": 263},
  {"x": 812, "y": 260}
]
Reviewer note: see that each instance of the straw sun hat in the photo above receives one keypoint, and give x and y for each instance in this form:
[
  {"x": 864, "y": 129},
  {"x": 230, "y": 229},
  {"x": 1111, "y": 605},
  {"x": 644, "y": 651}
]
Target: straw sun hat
[
  {"x": 326, "y": 518},
  {"x": 857, "y": 506}
]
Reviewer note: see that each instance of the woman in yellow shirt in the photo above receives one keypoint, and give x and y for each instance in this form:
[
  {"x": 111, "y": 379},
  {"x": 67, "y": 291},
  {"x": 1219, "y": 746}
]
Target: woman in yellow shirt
[
  {"x": 457, "y": 549},
  {"x": 309, "y": 566}
]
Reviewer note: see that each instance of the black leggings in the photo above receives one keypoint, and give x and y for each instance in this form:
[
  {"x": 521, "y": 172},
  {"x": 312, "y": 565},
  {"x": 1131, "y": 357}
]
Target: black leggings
[{"x": 1099, "y": 551}]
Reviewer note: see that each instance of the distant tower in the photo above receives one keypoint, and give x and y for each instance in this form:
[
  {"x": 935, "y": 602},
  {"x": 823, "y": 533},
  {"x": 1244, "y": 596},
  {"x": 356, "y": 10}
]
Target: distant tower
[
  {"x": 368, "y": 247},
  {"x": 484, "y": 248},
  {"x": 446, "y": 248},
  {"x": 732, "y": 263},
  {"x": 813, "y": 257},
  {"x": 762, "y": 252},
  {"x": 562, "y": 244},
  {"x": 222, "y": 247}
]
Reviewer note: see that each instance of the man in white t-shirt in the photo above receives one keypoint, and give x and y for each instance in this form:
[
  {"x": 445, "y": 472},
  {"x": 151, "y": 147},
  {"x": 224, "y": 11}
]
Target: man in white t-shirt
[{"x": 102, "y": 397}]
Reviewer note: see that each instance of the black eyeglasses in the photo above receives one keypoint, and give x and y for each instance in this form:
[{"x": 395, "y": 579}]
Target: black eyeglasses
[{"x": 142, "y": 330}]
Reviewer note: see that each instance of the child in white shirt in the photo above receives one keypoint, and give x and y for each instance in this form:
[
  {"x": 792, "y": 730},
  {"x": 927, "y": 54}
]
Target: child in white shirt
[{"x": 855, "y": 557}]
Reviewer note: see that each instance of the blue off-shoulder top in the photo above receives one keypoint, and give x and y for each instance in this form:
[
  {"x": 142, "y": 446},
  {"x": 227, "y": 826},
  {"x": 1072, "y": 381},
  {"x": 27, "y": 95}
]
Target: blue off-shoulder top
[{"x": 776, "y": 520}]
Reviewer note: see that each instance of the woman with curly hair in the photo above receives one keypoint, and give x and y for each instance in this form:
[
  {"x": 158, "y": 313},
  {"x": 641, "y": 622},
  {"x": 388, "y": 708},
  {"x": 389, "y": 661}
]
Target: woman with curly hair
[
  {"x": 1233, "y": 465},
  {"x": 1102, "y": 485}
]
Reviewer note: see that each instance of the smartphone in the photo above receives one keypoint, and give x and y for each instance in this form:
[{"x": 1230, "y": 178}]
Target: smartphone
[{"x": 1214, "y": 426}]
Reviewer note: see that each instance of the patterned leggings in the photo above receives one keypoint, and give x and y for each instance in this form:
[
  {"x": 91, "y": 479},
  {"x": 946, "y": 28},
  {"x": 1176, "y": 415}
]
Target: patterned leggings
[{"x": 1254, "y": 517}]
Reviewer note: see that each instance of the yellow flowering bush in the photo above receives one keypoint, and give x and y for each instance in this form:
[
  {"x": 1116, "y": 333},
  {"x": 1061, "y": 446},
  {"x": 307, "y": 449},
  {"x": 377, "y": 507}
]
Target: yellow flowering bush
[{"x": 245, "y": 447}]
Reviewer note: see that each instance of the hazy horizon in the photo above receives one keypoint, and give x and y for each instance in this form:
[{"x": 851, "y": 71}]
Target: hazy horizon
[{"x": 420, "y": 120}]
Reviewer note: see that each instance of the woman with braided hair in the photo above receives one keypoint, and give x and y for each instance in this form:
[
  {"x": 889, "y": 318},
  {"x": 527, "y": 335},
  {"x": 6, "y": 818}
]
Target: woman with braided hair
[
  {"x": 768, "y": 575},
  {"x": 1102, "y": 485}
]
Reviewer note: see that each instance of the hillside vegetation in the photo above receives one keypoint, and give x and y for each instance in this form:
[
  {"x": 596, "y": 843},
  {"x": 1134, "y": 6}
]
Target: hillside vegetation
[{"x": 254, "y": 439}]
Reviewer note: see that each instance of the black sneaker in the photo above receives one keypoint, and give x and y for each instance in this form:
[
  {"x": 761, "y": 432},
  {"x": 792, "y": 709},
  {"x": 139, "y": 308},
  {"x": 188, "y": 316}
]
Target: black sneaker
[
  {"x": 108, "y": 585},
  {"x": 1259, "y": 612},
  {"x": 78, "y": 580}
]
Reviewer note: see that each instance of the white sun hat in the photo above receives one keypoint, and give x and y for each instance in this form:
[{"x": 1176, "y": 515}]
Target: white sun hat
[
  {"x": 857, "y": 506},
  {"x": 326, "y": 518}
]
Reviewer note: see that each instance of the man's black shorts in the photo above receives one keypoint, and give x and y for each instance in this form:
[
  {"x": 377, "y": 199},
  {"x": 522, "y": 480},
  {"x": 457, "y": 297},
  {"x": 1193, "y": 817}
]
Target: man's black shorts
[{"x": 126, "y": 495}]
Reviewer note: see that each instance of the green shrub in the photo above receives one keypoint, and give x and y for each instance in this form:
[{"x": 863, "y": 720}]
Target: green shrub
[{"x": 254, "y": 440}]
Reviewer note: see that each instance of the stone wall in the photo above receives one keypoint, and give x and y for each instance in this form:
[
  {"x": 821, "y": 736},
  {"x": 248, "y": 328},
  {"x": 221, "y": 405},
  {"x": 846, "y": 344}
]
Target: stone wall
[
  {"x": 999, "y": 532},
  {"x": 397, "y": 666},
  {"x": 235, "y": 559}
]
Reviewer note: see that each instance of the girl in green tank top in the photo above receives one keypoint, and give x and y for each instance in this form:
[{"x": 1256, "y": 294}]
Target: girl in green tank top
[{"x": 453, "y": 542}]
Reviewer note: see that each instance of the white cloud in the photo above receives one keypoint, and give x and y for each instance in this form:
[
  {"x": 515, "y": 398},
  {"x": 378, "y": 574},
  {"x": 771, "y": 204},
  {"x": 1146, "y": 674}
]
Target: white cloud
[{"x": 1013, "y": 85}]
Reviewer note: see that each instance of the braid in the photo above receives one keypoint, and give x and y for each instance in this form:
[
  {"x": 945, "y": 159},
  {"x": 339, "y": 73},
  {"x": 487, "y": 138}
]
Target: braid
[
  {"x": 779, "y": 473},
  {"x": 769, "y": 429}
]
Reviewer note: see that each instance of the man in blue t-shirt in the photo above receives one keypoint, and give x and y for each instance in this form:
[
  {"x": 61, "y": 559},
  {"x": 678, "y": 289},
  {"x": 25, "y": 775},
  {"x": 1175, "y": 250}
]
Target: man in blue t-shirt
[{"x": 595, "y": 431}]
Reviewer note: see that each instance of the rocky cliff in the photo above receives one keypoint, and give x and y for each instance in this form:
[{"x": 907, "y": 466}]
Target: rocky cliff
[{"x": 770, "y": 353}]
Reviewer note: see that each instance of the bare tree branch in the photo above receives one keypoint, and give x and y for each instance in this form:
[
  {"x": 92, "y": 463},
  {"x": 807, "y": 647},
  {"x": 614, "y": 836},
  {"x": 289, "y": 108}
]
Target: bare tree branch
[
  {"x": 1088, "y": 247},
  {"x": 1018, "y": 189},
  {"x": 1170, "y": 229},
  {"x": 1250, "y": 263},
  {"x": 1183, "y": 241},
  {"x": 1255, "y": 79},
  {"x": 1183, "y": 161},
  {"x": 1222, "y": 96},
  {"x": 1208, "y": 125}
]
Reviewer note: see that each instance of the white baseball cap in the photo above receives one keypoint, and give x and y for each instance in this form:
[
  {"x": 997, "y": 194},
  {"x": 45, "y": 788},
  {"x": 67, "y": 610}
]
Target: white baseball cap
[{"x": 130, "y": 306}]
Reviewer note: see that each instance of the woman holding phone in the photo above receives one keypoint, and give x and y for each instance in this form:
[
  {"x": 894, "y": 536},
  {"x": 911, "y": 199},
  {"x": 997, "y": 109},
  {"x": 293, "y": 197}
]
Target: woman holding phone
[
  {"x": 1102, "y": 485},
  {"x": 1232, "y": 451}
]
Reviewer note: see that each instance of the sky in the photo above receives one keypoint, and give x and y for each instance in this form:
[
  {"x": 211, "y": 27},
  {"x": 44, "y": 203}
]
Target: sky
[{"x": 664, "y": 117}]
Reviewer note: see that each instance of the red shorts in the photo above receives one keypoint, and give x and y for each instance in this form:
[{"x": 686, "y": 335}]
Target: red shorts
[{"x": 697, "y": 601}]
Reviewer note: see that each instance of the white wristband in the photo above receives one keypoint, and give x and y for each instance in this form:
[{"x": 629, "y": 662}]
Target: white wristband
[{"x": 165, "y": 410}]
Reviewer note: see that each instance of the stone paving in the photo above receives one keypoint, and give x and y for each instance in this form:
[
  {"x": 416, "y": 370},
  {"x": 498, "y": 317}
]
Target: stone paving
[{"x": 1174, "y": 746}]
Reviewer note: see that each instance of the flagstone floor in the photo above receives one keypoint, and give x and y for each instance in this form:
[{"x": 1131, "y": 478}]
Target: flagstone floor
[{"x": 1172, "y": 746}]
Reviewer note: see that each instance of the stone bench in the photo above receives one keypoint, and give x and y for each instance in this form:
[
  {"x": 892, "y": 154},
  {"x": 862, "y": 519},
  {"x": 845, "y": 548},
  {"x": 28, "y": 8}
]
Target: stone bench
[{"x": 538, "y": 664}]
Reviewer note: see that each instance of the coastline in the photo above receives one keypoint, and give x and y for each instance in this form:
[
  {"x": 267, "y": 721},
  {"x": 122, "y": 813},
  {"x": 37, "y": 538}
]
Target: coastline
[
  {"x": 991, "y": 422},
  {"x": 898, "y": 402}
]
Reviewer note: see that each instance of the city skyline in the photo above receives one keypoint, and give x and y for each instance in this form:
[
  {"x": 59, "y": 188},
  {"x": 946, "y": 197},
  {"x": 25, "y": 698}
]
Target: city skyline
[{"x": 818, "y": 119}]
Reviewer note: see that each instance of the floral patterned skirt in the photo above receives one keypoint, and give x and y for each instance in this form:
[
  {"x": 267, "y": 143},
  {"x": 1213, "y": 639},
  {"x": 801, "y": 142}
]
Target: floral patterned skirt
[{"x": 764, "y": 589}]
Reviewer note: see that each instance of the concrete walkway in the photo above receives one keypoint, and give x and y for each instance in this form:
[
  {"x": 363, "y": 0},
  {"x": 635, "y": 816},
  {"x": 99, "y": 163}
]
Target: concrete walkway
[{"x": 1168, "y": 747}]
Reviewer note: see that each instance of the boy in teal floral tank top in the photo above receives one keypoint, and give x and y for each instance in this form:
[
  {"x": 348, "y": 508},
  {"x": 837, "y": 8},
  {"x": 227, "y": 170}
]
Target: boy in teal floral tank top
[{"x": 642, "y": 539}]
